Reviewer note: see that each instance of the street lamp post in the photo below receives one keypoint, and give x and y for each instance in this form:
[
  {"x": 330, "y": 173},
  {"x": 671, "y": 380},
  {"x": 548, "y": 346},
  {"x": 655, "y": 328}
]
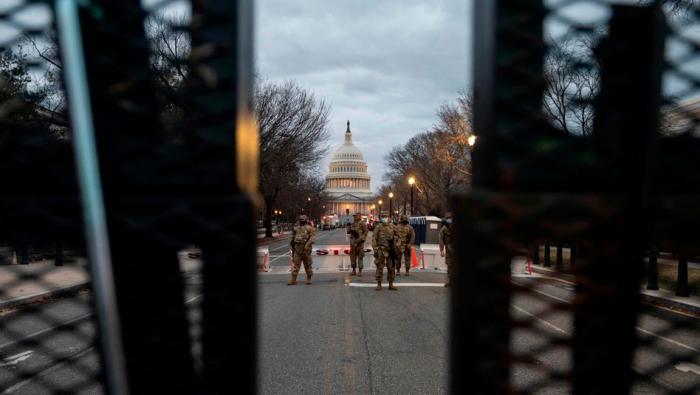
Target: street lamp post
[
  {"x": 391, "y": 206},
  {"x": 411, "y": 181},
  {"x": 380, "y": 209},
  {"x": 372, "y": 211}
]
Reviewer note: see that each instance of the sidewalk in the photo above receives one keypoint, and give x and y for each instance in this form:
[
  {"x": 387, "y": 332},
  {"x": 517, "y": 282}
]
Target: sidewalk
[
  {"x": 662, "y": 297},
  {"x": 24, "y": 284},
  {"x": 276, "y": 237}
]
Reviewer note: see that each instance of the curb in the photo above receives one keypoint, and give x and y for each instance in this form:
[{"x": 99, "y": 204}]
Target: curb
[
  {"x": 26, "y": 299},
  {"x": 653, "y": 299},
  {"x": 645, "y": 297}
]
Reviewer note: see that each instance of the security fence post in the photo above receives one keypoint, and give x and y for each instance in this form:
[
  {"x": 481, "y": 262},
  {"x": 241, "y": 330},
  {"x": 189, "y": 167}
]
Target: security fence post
[{"x": 627, "y": 113}]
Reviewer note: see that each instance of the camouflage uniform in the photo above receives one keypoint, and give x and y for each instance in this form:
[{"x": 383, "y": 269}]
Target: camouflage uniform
[
  {"x": 303, "y": 238},
  {"x": 446, "y": 245},
  {"x": 406, "y": 236},
  {"x": 358, "y": 235},
  {"x": 383, "y": 241}
]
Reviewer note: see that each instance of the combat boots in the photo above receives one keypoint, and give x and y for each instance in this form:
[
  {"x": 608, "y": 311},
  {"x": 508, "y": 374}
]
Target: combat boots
[
  {"x": 308, "y": 280},
  {"x": 353, "y": 273},
  {"x": 407, "y": 273},
  {"x": 359, "y": 273},
  {"x": 293, "y": 281},
  {"x": 392, "y": 287},
  {"x": 398, "y": 271},
  {"x": 379, "y": 286}
]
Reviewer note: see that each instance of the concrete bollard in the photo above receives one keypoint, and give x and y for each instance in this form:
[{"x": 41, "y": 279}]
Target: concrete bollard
[
  {"x": 682, "y": 284},
  {"x": 653, "y": 270}
]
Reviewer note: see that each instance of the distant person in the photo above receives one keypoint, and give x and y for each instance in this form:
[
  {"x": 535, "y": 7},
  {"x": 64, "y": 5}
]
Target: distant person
[
  {"x": 446, "y": 247},
  {"x": 358, "y": 234},
  {"x": 303, "y": 237},
  {"x": 406, "y": 236},
  {"x": 383, "y": 241}
]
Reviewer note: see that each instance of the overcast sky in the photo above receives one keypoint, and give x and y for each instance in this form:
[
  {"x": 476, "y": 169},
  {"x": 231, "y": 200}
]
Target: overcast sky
[{"x": 384, "y": 65}]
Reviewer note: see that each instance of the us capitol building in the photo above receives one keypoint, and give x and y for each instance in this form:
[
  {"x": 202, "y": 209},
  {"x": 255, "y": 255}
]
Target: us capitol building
[{"x": 347, "y": 183}]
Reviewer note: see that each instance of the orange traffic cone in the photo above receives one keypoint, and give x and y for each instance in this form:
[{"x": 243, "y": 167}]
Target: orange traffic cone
[{"x": 414, "y": 259}]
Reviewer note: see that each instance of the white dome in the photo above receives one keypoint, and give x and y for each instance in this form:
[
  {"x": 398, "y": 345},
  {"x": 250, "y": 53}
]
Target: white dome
[
  {"x": 347, "y": 181},
  {"x": 348, "y": 152}
]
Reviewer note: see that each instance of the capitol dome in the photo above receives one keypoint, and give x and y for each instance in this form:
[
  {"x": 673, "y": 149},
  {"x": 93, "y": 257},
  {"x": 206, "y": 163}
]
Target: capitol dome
[{"x": 347, "y": 182}]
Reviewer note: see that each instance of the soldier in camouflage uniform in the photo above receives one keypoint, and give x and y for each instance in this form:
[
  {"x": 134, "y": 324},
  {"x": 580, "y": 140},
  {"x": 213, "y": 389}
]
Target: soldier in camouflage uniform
[
  {"x": 303, "y": 238},
  {"x": 358, "y": 235},
  {"x": 446, "y": 247},
  {"x": 405, "y": 238},
  {"x": 383, "y": 242}
]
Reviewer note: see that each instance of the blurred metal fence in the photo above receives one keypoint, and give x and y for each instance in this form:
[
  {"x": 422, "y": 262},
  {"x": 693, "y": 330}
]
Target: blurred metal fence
[
  {"x": 169, "y": 85},
  {"x": 614, "y": 175}
]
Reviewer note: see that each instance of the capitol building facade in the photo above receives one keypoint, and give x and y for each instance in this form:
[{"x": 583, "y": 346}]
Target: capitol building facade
[{"x": 347, "y": 183}]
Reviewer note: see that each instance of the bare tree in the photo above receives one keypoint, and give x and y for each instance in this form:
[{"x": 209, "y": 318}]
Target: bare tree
[
  {"x": 293, "y": 127},
  {"x": 436, "y": 180},
  {"x": 684, "y": 10},
  {"x": 453, "y": 130},
  {"x": 572, "y": 76}
]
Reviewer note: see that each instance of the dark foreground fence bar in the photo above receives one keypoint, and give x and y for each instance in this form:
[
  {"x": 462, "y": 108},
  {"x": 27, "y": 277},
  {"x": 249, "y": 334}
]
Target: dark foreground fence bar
[{"x": 534, "y": 183}]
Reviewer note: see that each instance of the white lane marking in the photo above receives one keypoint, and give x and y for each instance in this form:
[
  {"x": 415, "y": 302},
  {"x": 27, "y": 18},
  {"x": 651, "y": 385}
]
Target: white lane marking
[
  {"x": 366, "y": 285},
  {"x": 545, "y": 323},
  {"x": 193, "y": 298},
  {"x": 658, "y": 380},
  {"x": 686, "y": 367},
  {"x": 45, "y": 330},
  {"x": 15, "y": 359},
  {"x": 687, "y": 347},
  {"x": 636, "y": 369},
  {"x": 44, "y": 372},
  {"x": 551, "y": 296}
]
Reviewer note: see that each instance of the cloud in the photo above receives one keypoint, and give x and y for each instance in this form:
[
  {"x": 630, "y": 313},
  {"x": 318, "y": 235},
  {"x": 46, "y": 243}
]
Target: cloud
[{"x": 384, "y": 65}]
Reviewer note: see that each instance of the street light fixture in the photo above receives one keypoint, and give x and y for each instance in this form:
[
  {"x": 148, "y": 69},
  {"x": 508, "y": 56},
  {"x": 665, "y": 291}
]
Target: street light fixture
[
  {"x": 471, "y": 140},
  {"x": 380, "y": 209},
  {"x": 411, "y": 181},
  {"x": 391, "y": 205}
]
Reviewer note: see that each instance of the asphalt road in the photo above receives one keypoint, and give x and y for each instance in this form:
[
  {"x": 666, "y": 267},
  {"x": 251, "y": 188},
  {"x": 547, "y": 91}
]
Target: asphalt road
[{"x": 340, "y": 336}]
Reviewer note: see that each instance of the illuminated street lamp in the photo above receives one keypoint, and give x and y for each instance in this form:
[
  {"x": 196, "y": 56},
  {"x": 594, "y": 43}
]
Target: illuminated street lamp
[
  {"x": 391, "y": 205},
  {"x": 471, "y": 140},
  {"x": 411, "y": 181},
  {"x": 380, "y": 209}
]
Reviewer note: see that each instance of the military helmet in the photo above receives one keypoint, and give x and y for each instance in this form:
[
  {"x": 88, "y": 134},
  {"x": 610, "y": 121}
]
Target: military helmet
[
  {"x": 448, "y": 215},
  {"x": 303, "y": 218},
  {"x": 357, "y": 215},
  {"x": 385, "y": 213},
  {"x": 404, "y": 217}
]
